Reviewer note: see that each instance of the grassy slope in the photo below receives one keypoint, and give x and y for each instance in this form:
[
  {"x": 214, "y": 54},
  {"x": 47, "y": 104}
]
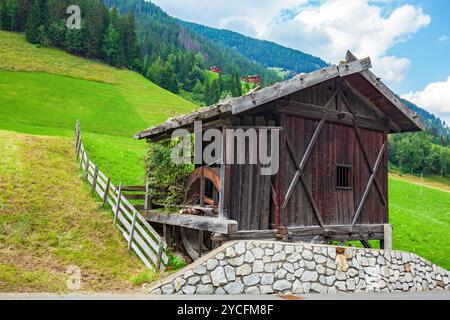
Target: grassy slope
[
  {"x": 44, "y": 91},
  {"x": 421, "y": 223},
  {"x": 49, "y": 220}
]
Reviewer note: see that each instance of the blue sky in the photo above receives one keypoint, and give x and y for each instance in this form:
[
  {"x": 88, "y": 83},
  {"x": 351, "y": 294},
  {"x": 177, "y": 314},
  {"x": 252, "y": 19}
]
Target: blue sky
[{"x": 408, "y": 40}]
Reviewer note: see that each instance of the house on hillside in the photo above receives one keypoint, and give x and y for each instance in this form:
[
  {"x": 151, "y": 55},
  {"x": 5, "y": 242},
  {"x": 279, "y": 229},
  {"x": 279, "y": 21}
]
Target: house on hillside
[
  {"x": 215, "y": 69},
  {"x": 256, "y": 79},
  {"x": 332, "y": 183}
]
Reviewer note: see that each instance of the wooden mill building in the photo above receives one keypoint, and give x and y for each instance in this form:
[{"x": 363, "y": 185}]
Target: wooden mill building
[{"x": 332, "y": 182}]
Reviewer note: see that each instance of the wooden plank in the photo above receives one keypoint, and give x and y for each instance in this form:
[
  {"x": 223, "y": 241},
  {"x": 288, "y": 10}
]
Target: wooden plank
[
  {"x": 133, "y": 226},
  {"x": 387, "y": 239},
  {"x": 134, "y": 196},
  {"x": 108, "y": 181},
  {"x": 390, "y": 96},
  {"x": 94, "y": 179},
  {"x": 312, "y": 111},
  {"x": 369, "y": 185},
  {"x": 133, "y": 188},
  {"x": 355, "y": 66},
  {"x": 303, "y": 161},
  {"x": 282, "y": 89},
  {"x": 194, "y": 222},
  {"x": 119, "y": 199}
]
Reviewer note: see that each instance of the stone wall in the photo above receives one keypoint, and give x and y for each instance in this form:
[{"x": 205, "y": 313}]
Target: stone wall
[{"x": 265, "y": 267}]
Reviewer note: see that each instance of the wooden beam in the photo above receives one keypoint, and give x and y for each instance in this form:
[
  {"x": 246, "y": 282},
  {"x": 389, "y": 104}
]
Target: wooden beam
[
  {"x": 387, "y": 240},
  {"x": 211, "y": 224},
  {"x": 301, "y": 82},
  {"x": 369, "y": 184},
  {"x": 341, "y": 117},
  {"x": 394, "y": 127},
  {"x": 329, "y": 232},
  {"x": 388, "y": 94}
]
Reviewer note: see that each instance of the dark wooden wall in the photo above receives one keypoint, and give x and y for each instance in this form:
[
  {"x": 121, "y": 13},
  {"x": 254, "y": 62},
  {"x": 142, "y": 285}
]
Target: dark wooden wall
[{"x": 251, "y": 201}]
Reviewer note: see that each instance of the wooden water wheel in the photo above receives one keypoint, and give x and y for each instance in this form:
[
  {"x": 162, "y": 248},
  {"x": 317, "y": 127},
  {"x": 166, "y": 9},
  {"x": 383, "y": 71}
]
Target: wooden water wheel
[{"x": 202, "y": 191}]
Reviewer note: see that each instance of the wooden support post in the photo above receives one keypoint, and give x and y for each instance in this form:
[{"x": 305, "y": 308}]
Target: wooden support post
[
  {"x": 202, "y": 188},
  {"x": 86, "y": 167},
  {"x": 117, "y": 209},
  {"x": 387, "y": 241},
  {"x": 167, "y": 235},
  {"x": 148, "y": 199},
  {"x": 78, "y": 149},
  {"x": 94, "y": 181},
  {"x": 200, "y": 243},
  {"x": 81, "y": 159},
  {"x": 133, "y": 226},
  {"x": 105, "y": 195},
  {"x": 159, "y": 257},
  {"x": 77, "y": 133}
]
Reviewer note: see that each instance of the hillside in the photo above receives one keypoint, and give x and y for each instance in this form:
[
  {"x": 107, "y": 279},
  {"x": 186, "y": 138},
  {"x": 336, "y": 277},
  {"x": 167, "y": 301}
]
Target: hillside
[
  {"x": 161, "y": 35},
  {"x": 267, "y": 53},
  {"x": 49, "y": 221},
  {"x": 111, "y": 104}
]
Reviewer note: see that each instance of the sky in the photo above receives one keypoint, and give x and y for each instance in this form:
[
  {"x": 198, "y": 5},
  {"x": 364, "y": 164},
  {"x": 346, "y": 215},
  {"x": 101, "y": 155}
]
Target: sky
[{"x": 407, "y": 40}]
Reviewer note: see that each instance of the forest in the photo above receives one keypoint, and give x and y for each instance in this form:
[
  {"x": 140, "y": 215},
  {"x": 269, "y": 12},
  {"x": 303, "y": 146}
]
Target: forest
[{"x": 118, "y": 39}]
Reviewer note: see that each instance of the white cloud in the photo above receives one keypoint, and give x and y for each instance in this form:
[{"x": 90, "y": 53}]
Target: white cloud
[
  {"x": 325, "y": 28},
  {"x": 250, "y": 17},
  {"x": 435, "y": 98},
  {"x": 360, "y": 26}
]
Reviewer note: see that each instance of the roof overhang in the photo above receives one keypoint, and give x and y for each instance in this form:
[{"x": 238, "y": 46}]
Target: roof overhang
[{"x": 355, "y": 71}]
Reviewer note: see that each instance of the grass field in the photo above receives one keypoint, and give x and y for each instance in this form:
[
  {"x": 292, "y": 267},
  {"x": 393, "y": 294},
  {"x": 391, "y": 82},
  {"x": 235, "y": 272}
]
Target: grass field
[
  {"x": 421, "y": 223},
  {"x": 49, "y": 221},
  {"x": 42, "y": 93}
]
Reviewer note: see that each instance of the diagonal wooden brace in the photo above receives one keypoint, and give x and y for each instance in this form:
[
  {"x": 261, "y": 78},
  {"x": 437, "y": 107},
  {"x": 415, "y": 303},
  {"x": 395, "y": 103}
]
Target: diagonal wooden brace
[
  {"x": 305, "y": 184},
  {"x": 369, "y": 185},
  {"x": 303, "y": 161},
  {"x": 364, "y": 151}
]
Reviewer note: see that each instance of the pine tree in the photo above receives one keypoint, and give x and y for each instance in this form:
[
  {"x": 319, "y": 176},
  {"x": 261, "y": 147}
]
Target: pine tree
[
  {"x": 33, "y": 23},
  {"x": 207, "y": 93},
  {"x": 12, "y": 9},
  {"x": 111, "y": 46},
  {"x": 2, "y": 13}
]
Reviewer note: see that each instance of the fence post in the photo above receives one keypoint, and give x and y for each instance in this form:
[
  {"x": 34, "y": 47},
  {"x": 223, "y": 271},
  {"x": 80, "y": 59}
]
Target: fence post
[
  {"x": 119, "y": 196},
  {"x": 105, "y": 196},
  {"x": 159, "y": 257},
  {"x": 77, "y": 133},
  {"x": 94, "y": 181},
  {"x": 133, "y": 225},
  {"x": 147, "y": 200},
  {"x": 81, "y": 159},
  {"x": 78, "y": 149},
  {"x": 86, "y": 167}
]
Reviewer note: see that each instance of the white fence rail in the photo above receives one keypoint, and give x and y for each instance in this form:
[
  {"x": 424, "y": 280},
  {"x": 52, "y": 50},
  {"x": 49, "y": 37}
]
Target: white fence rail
[{"x": 139, "y": 234}]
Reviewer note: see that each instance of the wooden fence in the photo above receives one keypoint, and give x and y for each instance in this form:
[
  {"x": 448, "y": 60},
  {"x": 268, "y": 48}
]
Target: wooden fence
[{"x": 139, "y": 234}]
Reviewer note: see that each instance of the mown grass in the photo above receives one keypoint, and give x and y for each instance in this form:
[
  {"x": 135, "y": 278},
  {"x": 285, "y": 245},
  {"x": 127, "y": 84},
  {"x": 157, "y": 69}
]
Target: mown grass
[
  {"x": 49, "y": 221},
  {"x": 421, "y": 224},
  {"x": 44, "y": 91}
]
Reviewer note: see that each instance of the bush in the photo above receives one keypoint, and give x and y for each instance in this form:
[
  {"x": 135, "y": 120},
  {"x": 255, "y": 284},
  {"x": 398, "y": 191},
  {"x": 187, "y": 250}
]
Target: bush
[{"x": 167, "y": 179}]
